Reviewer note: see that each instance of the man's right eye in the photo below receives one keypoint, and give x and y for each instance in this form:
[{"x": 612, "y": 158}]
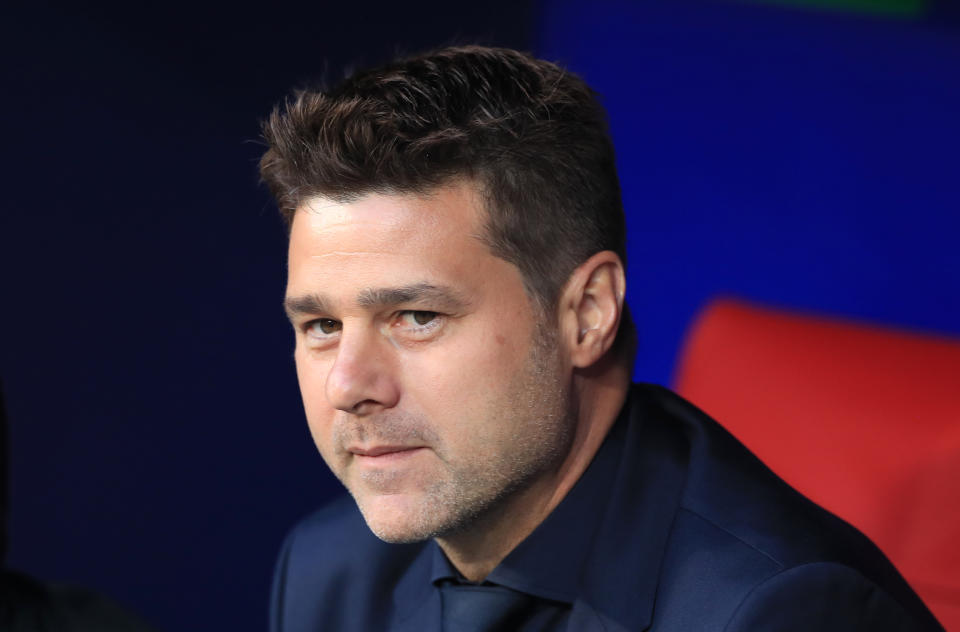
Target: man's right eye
[{"x": 323, "y": 327}]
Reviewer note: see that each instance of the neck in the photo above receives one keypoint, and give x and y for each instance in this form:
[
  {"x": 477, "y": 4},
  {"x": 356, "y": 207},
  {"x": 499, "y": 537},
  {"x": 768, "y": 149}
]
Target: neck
[{"x": 478, "y": 549}]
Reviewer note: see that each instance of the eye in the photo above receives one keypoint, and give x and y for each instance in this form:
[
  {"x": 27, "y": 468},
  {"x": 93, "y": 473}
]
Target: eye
[
  {"x": 323, "y": 327},
  {"x": 421, "y": 318},
  {"x": 417, "y": 324}
]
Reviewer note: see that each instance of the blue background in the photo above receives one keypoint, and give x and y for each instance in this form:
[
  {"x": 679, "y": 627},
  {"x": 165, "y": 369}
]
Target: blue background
[
  {"x": 807, "y": 159},
  {"x": 803, "y": 159}
]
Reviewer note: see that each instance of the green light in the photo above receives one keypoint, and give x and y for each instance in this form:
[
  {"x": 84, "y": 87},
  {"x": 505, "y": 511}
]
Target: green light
[{"x": 894, "y": 8}]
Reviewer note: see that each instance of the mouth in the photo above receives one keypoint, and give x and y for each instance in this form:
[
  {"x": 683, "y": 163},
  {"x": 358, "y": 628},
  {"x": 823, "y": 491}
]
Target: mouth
[{"x": 384, "y": 453}]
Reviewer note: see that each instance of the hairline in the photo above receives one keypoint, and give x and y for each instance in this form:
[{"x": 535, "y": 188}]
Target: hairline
[{"x": 543, "y": 302}]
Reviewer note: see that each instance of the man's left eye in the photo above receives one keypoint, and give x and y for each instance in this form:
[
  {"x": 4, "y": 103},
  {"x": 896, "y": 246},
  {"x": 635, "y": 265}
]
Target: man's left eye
[{"x": 419, "y": 318}]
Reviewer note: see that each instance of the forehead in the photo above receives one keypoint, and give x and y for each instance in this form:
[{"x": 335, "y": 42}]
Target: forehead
[
  {"x": 384, "y": 240},
  {"x": 455, "y": 208}
]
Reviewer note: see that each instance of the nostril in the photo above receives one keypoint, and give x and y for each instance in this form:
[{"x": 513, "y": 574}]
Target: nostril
[{"x": 366, "y": 407}]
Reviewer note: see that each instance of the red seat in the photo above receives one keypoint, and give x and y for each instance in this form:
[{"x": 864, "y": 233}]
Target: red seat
[{"x": 863, "y": 420}]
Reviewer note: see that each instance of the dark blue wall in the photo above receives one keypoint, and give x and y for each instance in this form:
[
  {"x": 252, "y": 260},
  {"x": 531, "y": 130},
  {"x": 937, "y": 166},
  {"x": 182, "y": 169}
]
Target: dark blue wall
[{"x": 805, "y": 159}]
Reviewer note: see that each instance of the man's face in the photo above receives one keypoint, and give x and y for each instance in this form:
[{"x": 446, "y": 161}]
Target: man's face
[{"x": 430, "y": 387}]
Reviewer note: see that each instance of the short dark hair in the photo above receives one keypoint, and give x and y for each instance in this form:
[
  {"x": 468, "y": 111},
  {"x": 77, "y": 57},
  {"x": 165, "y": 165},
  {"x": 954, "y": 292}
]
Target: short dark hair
[{"x": 531, "y": 135}]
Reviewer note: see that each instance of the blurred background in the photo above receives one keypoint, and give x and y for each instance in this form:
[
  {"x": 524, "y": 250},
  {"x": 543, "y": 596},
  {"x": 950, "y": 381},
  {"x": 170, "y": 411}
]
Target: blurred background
[{"x": 799, "y": 153}]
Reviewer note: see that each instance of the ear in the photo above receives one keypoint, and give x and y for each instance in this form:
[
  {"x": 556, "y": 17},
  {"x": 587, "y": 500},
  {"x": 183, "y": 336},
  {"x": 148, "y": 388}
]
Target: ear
[{"x": 591, "y": 305}]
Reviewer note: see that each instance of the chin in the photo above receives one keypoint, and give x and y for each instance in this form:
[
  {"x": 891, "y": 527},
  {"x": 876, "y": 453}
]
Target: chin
[
  {"x": 397, "y": 519},
  {"x": 394, "y": 536}
]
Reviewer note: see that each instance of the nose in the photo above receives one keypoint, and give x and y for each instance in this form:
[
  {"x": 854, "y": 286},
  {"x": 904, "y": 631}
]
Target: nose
[{"x": 362, "y": 381}]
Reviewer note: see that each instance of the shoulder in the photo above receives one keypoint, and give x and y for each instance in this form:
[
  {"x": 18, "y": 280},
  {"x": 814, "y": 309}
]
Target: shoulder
[
  {"x": 718, "y": 579},
  {"x": 748, "y": 543},
  {"x": 331, "y": 567},
  {"x": 822, "y": 596},
  {"x": 729, "y": 494},
  {"x": 729, "y": 488}
]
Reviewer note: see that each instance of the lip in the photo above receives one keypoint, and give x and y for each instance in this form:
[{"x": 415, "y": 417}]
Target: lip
[{"x": 384, "y": 451}]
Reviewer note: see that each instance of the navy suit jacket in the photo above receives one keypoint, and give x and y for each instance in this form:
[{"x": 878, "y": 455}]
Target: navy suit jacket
[{"x": 692, "y": 533}]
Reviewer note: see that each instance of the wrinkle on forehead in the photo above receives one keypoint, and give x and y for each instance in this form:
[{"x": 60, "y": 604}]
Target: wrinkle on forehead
[
  {"x": 460, "y": 195},
  {"x": 376, "y": 231},
  {"x": 353, "y": 253},
  {"x": 324, "y": 213}
]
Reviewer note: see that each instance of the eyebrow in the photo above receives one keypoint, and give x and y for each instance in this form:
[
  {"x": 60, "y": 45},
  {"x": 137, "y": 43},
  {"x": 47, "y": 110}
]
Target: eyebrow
[
  {"x": 441, "y": 297},
  {"x": 305, "y": 304}
]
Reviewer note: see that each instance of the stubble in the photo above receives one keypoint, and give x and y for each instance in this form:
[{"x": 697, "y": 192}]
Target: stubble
[{"x": 470, "y": 489}]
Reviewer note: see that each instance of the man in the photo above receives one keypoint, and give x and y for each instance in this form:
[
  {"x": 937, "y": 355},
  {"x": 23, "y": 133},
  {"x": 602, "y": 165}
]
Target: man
[{"x": 456, "y": 285}]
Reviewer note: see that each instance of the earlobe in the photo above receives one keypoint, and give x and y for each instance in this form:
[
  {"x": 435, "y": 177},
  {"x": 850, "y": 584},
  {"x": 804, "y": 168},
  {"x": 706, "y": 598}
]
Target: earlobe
[{"x": 594, "y": 301}]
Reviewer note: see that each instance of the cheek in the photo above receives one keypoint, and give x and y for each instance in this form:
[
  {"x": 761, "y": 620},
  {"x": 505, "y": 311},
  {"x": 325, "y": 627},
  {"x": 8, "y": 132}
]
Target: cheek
[{"x": 465, "y": 386}]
